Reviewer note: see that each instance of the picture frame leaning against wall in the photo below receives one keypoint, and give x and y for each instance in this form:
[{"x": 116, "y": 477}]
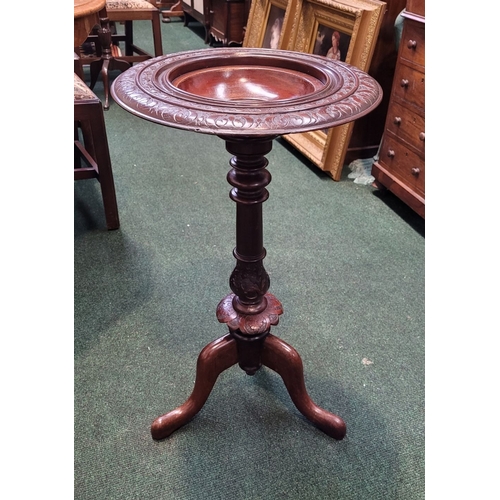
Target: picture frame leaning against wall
[{"x": 345, "y": 30}]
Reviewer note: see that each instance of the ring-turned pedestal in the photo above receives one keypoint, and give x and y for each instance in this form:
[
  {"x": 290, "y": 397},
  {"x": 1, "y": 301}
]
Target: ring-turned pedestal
[{"x": 248, "y": 97}]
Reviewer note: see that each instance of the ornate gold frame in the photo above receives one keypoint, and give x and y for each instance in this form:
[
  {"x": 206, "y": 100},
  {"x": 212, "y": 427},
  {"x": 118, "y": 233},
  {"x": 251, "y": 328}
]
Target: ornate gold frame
[
  {"x": 358, "y": 19},
  {"x": 258, "y": 19}
]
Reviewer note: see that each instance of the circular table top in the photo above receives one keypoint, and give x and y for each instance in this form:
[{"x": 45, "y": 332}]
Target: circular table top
[
  {"x": 86, "y": 7},
  {"x": 86, "y": 17},
  {"x": 246, "y": 91}
]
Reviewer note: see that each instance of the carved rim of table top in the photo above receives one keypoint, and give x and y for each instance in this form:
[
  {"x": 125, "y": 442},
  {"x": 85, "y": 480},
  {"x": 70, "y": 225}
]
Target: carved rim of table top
[{"x": 146, "y": 90}]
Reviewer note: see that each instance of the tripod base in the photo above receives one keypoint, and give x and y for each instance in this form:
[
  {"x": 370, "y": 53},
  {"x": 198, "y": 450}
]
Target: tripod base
[{"x": 221, "y": 355}]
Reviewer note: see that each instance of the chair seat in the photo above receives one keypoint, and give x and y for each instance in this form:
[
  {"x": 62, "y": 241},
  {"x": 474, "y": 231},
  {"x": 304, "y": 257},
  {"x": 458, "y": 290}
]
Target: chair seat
[
  {"x": 82, "y": 91},
  {"x": 129, "y": 4}
]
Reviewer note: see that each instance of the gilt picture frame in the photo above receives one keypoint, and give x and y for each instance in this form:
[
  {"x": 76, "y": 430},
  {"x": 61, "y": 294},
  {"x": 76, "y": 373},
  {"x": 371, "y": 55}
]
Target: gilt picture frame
[
  {"x": 346, "y": 30},
  {"x": 266, "y": 20}
]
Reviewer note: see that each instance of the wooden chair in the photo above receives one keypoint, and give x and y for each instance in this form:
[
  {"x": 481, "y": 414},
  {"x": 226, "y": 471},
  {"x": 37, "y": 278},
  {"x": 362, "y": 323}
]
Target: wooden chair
[
  {"x": 108, "y": 56},
  {"x": 92, "y": 160},
  {"x": 127, "y": 11}
]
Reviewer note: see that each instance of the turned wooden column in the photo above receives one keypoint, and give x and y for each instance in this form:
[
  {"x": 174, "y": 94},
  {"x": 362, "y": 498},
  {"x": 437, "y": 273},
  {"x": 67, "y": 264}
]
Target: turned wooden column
[{"x": 249, "y": 311}]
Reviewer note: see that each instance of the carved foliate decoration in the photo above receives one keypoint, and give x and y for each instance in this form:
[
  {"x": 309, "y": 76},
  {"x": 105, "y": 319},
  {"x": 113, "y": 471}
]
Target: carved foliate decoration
[
  {"x": 250, "y": 324},
  {"x": 339, "y": 93},
  {"x": 249, "y": 281}
]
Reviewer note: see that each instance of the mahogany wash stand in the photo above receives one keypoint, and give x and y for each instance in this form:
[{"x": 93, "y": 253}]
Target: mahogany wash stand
[{"x": 247, "y": 97}]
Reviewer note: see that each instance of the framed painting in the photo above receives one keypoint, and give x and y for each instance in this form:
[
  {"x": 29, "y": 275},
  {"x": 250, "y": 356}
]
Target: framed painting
[
  {"x": 344, "y": 30},
  {"x": 265, "y": 24}
]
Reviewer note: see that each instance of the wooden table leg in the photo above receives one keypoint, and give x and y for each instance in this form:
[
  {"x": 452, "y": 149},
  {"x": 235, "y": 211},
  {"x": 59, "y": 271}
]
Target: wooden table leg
[
  {"x": 212, "y": 361},
  {"x": 285, "y": 360}
]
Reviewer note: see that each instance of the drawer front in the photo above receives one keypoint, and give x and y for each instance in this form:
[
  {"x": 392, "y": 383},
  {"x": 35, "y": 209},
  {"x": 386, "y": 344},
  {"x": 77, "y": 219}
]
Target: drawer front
[
  {"x": 407, "y": 125},
  {"x": 218, "y": 15},
  {"x": 236, "y": 22},
  {"x": 413, "y": 42},
  {"x": 409, "y": 85},
  {"x": 403, "y": 164},
  {"x": 227, "y": 20}
]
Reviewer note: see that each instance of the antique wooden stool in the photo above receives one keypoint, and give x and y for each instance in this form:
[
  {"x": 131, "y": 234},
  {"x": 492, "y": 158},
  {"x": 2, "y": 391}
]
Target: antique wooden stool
[{"x": 92, "y": 160}]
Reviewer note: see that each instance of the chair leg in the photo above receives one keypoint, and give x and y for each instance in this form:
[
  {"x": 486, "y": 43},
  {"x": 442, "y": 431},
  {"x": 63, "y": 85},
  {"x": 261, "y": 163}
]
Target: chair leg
[
  {"x": 103, "y": 161},
  {"x": 129, "y": 38},
  {"x": 157, "y": 35},
  {"x": 78, "y": 66},
  {"x": 87, "y": 136},
  {"x": 77, "y": 160}
]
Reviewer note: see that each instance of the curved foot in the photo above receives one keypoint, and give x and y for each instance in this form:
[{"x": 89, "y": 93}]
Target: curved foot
[
  {"x": 216, "y": 357},
  {"x": 285, "y": 360},
  {"x": 119, "y": 64},
  {"x": 105, "y": 81}
]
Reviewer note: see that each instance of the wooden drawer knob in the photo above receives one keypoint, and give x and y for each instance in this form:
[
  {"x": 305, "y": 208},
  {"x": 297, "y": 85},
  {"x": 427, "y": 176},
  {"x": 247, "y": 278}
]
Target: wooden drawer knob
[
  {"x": 404, "y": 82},
  {"x": 421, "y": 136},
  {"x": 391, "y": 153},
  {"x": 412, "y": 44},
  {"x": 397, "y": 120},
  {"x": 415, "y": 171}
]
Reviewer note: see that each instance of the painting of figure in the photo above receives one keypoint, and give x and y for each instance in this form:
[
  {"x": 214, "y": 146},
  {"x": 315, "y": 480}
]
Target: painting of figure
[
  {"x": 331, "y": 43},
  {"x": 273, "y": 28}
]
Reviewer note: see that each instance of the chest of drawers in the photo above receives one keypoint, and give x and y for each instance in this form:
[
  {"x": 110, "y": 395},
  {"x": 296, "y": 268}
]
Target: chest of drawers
[
  {"x": 401, "y": 164},
  {"x": 227, "y": 20}
]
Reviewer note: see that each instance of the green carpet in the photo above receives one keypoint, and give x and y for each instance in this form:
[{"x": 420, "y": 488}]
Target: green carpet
[{"x": 346, "y": 262}]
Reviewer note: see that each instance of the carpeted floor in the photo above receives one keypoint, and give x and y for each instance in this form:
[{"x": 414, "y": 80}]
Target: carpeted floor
[{"x": 346, "y": 262}]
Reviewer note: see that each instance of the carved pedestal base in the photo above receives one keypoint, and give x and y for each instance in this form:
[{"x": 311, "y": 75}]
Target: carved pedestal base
[{"x": 250, "y": 311}]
